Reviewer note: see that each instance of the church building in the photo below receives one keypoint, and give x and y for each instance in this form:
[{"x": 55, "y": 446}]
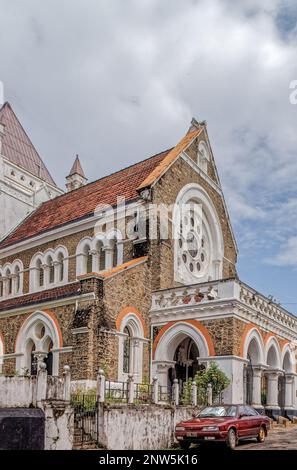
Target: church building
[{"x": 88, "y": 277}]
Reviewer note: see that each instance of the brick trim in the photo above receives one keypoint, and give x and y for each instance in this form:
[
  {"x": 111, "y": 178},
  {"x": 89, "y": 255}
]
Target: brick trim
[
  {"x": 201, "y": 328},
  {"x": 124, "y": 312}
]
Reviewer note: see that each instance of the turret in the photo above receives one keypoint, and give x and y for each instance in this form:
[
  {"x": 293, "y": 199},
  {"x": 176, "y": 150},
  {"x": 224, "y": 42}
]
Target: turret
[{"x": 76, "y": 177}]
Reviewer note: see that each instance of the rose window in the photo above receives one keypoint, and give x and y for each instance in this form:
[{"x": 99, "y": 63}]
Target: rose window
[{"x": 193, "y": 244}]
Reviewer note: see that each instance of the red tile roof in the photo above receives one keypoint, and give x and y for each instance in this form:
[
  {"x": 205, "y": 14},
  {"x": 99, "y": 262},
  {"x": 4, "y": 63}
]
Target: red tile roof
[
  {"x": 43, "y": 296},
  {"x": 18, "y": 148},
  {"x": 82, "y": 202}
]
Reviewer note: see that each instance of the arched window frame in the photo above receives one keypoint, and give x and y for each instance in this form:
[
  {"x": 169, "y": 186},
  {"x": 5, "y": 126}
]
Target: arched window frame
[
  {"x": 29, "y": 331},
  {"x": 194, "y": 194},
  {"x": 50, "y": 263},
  {"x": 136, "y": 340},
  {"x": 114, "y": 248}
]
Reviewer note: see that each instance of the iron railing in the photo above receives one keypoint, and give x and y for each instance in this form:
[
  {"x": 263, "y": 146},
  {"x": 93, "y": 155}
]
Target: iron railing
[
  {"x": 116, "y": 392},
  {"x": 143, "y": 393}
]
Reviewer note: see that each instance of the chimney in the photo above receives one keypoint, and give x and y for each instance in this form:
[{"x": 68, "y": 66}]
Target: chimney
[{"x": 76, "y": 177}]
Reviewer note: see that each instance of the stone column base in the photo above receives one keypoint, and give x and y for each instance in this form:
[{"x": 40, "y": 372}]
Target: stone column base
[
  {"x": 290, "y": 413},
  {"x": 273, "y": 412}
]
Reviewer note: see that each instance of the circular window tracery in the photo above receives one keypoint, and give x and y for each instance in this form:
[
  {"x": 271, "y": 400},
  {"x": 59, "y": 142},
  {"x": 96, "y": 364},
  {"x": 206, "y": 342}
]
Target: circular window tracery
[{"x": 193, "y": 243}]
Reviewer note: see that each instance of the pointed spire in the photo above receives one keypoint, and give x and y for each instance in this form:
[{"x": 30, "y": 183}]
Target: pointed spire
[
  {"x": 18, "y": 148},
  {"x": 77, "y": 168},
  {"x": 76, "y": 177}
]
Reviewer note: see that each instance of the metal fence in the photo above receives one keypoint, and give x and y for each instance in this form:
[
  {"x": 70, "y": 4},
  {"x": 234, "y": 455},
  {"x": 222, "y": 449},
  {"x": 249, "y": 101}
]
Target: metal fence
[
  {"x": 143, "y": 393},
  {"x": 116, "y": 392}
]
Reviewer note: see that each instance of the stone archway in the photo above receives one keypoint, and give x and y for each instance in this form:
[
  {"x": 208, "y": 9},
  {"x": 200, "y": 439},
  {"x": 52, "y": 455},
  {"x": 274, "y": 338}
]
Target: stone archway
[
  {"x": 253, "y": 353},
  {"x": 176, "y": 350}
]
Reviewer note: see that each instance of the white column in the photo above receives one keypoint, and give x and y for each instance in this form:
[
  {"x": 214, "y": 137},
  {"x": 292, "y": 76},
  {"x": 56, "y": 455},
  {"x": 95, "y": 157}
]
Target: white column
[
  {"x": 108, "y": 257},
  {"x": 162, "y": 369},
  {"x": 256, "y": 391},
  {"x": 289, "y": 390},
  {"x": 95, "y": 261},
  {"x": 272, "y": 389}
]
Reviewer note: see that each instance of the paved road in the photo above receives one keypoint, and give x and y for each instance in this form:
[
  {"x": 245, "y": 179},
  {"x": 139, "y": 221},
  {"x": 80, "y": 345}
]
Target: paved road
[{"x": 277, "y": 439}]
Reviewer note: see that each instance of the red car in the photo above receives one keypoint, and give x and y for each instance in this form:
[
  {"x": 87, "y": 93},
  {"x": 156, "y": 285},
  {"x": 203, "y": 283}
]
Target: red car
[{"x": 223, "y": 423}]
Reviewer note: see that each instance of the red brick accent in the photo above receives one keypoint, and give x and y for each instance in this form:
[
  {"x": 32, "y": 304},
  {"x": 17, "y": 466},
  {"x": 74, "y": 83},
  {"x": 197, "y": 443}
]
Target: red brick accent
[{"x": 194, "y": 323}]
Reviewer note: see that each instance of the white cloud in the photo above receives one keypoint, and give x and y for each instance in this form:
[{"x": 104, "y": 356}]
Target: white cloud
[{"x": 117, "y": 81}]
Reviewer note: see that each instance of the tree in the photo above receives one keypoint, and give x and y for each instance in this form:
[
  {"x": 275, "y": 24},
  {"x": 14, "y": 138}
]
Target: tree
[{"x": 212, "y": 375}]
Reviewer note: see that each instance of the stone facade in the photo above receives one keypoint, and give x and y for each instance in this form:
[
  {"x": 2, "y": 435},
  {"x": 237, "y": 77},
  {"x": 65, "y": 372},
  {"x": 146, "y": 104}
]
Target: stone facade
[{"x": 106, "y": 319}]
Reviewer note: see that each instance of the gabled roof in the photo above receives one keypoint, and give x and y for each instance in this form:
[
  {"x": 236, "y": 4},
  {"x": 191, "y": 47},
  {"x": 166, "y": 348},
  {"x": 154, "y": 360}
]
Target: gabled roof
[
  {"x": 82, "y": 202},
  {"x": 77, "y": 168},
  {"x": 170, "y": 157},
  {"x": 18, "y": 148}
]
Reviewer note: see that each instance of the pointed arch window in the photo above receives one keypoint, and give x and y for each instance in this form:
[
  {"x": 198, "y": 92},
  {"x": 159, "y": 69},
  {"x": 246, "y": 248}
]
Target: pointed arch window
[
  {"x": 127, "y": 350},
  {"x": 17, "y": 279},
  {"x": 40, "y": 273},
  {"x": 9, "y": 282},
  {"x": 1, "y": 285}
]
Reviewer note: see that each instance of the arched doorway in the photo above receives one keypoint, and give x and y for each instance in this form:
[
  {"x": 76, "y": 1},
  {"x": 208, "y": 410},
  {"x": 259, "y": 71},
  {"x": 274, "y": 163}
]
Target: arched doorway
[
  {"x": 178, "y": 349},
  {"x": 186, "y": 358},
  {"x": 253, "y": 368}
]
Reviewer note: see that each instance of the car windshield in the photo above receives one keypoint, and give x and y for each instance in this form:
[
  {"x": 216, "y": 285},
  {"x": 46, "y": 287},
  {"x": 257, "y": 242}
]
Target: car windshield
[{"x": 218, "y": 411}]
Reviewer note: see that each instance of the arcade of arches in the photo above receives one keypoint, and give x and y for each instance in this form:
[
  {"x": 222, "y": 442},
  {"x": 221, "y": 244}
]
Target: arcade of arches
[{"x": 263, "y": 377}]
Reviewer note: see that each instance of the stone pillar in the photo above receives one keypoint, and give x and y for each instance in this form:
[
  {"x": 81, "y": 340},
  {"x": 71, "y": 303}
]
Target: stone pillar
[
  {"x": 194, "y": 394},
  {"x": 256, "y": 390},
  {"x": 67, "y": 383},
  {"x": 131, "y": 389},
  {"x": 289, "y": 390},
  {"x": 162, "y": 371},
  {"x": 175, "y": 392},
  {"x": 40, "y": 355},
  {"x": 108, "y": 257},
  {"x": 155, "y": 391},
  {"x": 101, "y": 386},
  {"x": 41, "y": 386},
  {"x": 209, "y": 394},
  {"x": 95, "y": 260},
  {"x": 272, "y": 389}
]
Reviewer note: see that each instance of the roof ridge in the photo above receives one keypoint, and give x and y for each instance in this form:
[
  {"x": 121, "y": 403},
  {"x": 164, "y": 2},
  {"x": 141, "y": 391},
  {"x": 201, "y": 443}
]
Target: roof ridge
[
  {"x": 110, "y": 174},
  {"x": 7, "y": 104}
]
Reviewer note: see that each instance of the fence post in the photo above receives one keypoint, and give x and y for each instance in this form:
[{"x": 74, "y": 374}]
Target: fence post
[
  {"x": 41, "y": 385},
  {"x": 131, "y": 387},
  {"x": 101, "y": 386},
  {"x": 209, "y": 394},
  {"x": 155, "y": 391},
  {"x": 175, "y": 391},
  {"x": 67, "y": 383},
  {"x": 194, "y": 394}
]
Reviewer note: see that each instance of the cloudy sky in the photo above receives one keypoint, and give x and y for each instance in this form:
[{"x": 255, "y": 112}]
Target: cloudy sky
[{"x": 116, "y": 81}]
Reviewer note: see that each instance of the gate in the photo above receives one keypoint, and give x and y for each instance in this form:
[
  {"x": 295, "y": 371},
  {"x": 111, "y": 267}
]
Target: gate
[{"x": 85, "y": 420}]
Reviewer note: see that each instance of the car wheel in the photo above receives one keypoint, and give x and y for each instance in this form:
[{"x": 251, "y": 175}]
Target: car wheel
[
  {"x": 261, "y": 435},
  {"x": 231, "y": 439},
  {"x": 185, "y": 445}
]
